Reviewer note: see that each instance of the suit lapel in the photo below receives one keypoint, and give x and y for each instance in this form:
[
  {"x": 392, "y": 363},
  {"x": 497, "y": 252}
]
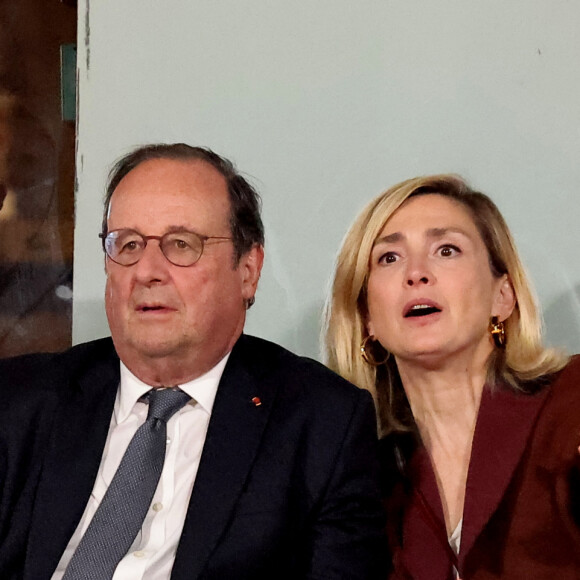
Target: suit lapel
[
  {"x": 234, "y": 434},
  {"x": 78, "y": 437},
  {"x": 424, "y": 523},
  {"x": 504, "y": 425}
]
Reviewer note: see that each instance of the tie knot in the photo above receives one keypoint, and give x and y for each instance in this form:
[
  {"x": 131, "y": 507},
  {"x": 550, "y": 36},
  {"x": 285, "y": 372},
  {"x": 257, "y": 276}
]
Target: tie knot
[{"x": 164, "y": 403}]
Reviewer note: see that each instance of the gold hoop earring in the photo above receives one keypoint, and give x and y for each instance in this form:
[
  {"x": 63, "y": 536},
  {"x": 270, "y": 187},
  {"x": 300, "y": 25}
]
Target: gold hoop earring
[
  {"x": 497, "y": 330},
  {"x": 368, "y": 356}
]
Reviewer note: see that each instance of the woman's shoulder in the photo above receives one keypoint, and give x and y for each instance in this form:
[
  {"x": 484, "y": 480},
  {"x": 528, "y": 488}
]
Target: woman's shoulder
[
  {"x": 567, "y": 378},
  {"x": 567, "y": 381},
  {"x": 562, "y": 404},
  {"x": 574, "y": 364}
]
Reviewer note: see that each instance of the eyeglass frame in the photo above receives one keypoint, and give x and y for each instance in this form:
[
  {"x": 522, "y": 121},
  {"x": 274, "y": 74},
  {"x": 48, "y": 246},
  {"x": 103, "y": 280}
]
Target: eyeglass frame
[{"x": 202, "y": 238}]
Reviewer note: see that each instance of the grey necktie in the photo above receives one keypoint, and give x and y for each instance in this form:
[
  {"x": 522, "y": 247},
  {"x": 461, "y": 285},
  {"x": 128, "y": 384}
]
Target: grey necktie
[{"x": 118, "y": 519}]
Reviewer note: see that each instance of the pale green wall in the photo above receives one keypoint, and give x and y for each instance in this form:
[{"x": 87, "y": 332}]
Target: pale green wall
[{"x": 326, "y": 103}]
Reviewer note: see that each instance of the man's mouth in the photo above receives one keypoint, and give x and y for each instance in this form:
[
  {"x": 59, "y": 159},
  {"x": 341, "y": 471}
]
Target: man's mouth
[
  {"x": 152, "y": 308},
  {"x": 421, "y": 310}
]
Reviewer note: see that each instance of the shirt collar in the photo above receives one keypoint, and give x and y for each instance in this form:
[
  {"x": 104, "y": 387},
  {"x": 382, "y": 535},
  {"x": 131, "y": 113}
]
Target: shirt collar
[{"x": 202, "y": 390}]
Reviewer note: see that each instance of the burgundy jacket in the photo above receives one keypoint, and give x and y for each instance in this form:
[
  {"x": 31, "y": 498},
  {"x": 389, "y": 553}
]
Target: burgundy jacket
[{"x": 521, "y": 517}]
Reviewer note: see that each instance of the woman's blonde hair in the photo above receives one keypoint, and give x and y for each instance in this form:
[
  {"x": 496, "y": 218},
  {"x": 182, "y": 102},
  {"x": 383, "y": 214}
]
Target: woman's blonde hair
[{"x": 521, "y": 364}]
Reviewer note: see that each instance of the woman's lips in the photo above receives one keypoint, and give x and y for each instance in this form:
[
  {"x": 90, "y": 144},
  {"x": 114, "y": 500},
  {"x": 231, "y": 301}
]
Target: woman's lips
[{"x": 421, "y": 307}]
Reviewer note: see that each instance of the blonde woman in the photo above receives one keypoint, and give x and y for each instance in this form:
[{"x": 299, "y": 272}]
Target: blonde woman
[{"x": 432, "y": 312}]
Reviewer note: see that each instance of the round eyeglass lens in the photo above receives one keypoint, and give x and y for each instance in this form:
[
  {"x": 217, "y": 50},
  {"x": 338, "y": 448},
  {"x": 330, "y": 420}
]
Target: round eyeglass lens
[
  {"x": 182, "y": 248},
  {"x": 124, "y": 246}
]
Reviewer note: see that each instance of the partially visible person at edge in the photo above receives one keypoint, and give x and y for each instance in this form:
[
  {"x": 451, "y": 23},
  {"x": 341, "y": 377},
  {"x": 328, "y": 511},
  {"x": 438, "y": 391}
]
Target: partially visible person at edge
[
  {"x": 181, "y": 447},
  {"x": 3, "y": 194},
  {"x": 433, "y": 313}
]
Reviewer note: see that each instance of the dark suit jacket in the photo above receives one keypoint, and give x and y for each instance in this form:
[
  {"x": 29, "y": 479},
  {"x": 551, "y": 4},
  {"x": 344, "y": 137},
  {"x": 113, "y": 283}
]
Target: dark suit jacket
[
  {"x": 286, "y": 489},
  {"x": 521, "y": 518}
]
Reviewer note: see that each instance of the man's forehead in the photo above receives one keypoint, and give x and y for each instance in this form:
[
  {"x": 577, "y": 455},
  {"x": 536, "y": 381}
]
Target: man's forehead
[
  {"x": 178, "y": 187},
  {"x": 193, "y": 176},
  {"x": 169, "y": 169}
]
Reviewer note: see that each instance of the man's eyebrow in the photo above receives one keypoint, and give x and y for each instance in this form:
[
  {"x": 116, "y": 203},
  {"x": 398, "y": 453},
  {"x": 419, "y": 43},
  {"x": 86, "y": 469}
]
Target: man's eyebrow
[{"x": 177, "y": 229}]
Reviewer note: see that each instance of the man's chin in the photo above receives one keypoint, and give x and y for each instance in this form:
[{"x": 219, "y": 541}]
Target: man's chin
[
  {"x": 158, "y": 350},
  {"x": 156, "y": 347}
]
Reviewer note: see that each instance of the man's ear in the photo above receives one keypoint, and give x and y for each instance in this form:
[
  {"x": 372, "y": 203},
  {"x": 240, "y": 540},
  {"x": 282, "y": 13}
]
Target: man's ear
[
  {"x": 505, "y": 299},
  {"x": 250, "y": 267}
]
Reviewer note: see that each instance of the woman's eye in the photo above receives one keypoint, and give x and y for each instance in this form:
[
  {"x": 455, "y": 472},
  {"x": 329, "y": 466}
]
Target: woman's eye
[
  {"x": 388, "y": 258},
  {"x": 448, "y": 251}
]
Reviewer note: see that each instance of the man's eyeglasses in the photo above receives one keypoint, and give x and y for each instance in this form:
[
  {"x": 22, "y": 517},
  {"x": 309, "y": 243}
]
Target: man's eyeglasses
[{"x": 181, "y": 248}]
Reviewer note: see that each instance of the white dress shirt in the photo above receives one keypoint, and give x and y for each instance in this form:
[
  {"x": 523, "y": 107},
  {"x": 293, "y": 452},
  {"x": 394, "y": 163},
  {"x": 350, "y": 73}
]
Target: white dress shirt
[
  {"x": 455, "y": 543},
  {"x": 153, "y": 553}
]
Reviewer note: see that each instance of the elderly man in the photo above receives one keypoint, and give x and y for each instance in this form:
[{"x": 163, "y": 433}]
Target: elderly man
[{"x": 182, "y": 448}]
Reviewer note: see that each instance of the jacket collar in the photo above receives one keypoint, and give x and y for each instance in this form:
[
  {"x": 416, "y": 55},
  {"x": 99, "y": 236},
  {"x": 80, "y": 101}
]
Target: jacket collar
[
  {"x": 504, "y": 425},
  {"x": 242, "y": 406},
  {"x": 90, "y": 377}
]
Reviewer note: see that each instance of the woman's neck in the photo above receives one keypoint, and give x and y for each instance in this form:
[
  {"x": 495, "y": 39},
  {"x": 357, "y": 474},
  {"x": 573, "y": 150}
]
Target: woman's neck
[
  {"x": 445, "y": 403},
  {"x": 444, "y": 398}
]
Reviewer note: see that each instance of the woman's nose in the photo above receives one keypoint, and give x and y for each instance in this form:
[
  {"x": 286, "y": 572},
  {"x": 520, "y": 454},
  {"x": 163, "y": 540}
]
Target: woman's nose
[{"x": 418, "y": 272}]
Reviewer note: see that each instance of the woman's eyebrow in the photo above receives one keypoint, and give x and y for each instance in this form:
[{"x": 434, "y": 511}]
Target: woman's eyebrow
[
  {"x": 440, "y": 232},
  {"x": 396, "y": 237},
  {"x": 434, "y": 233}
]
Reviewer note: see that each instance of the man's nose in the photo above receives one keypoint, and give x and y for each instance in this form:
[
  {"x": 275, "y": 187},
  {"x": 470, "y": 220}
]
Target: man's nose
[{"x": 153, "y": 266}]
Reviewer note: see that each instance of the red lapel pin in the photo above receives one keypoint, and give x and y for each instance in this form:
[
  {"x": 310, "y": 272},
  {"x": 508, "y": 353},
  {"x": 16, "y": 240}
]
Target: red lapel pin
[{"x": 256, "y": 401}]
